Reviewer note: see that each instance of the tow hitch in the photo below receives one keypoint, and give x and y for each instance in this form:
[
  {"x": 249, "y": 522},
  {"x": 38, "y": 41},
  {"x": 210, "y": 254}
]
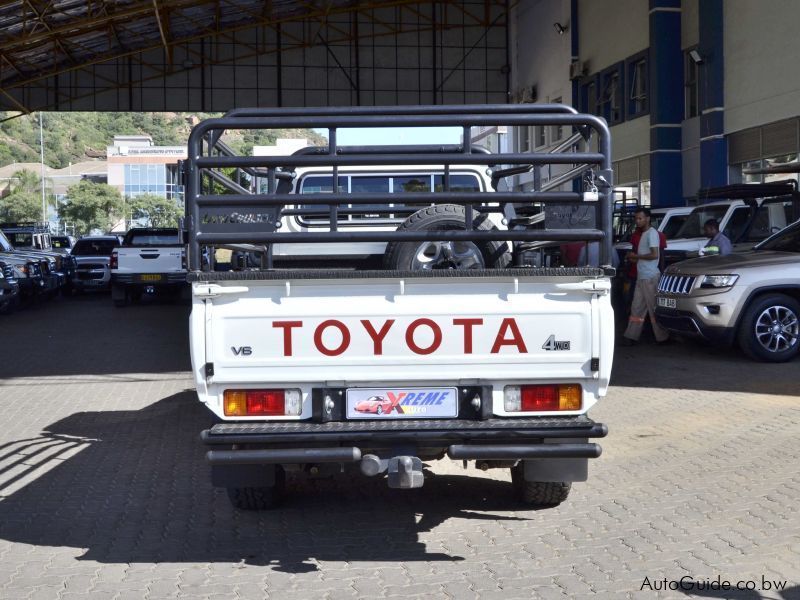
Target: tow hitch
[{"x": 405, "y": 472}]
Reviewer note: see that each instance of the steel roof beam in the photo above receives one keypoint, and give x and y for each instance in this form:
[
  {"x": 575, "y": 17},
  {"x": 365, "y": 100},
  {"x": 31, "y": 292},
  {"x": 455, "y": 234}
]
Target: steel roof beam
[{"x": 163, "y": 29}]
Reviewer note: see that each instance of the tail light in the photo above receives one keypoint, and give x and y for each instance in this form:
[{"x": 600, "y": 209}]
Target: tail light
[
  {"x": 183, "y": 259},
  {"x": 262, "y": 403},
  {"x": 114, "y": 264},
  {"x": 543, "y": 398}
]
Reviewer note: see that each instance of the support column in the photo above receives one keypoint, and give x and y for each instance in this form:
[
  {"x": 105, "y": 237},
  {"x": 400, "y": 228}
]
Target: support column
[
  {"x": 666, "y": 104},
  {"x": 574, "y": 45},
  {"x": 711, "y": 79}
]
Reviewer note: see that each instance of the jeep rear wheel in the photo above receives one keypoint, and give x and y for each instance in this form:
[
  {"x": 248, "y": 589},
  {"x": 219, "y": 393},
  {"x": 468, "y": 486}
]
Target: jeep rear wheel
[
  {"x": 538, "y": 493},
  {"x": 770, "y": 328},
  {"x": 259, "y": 498}
]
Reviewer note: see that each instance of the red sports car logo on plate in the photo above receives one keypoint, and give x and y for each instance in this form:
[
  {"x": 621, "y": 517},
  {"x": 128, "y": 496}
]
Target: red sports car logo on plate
[{"x": 375, "y": 404}]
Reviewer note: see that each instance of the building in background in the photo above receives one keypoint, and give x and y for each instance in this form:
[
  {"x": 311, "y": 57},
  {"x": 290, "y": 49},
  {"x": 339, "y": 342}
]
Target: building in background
[
  {"x": 56, "y": 181},
  {"x": 697, "y": 93},
  {"x": 136, "y": 166}
]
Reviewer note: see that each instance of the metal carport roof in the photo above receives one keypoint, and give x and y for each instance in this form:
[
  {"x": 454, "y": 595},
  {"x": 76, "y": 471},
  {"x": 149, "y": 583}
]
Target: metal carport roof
[{"x": 214, "y": 55}]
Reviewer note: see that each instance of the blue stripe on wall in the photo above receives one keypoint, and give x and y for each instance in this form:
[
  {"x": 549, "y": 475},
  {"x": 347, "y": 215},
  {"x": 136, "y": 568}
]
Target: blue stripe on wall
[
  {"x": 577, "y": 183},
  {"x": 713, "y": 152},
  {"x": 666, "y": 76}
]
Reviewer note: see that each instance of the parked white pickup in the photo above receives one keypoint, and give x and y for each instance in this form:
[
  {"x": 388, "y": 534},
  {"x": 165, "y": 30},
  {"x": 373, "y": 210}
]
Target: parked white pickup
[
  {"x": 446, "y": 351},
  {"x": 149, "y": 261}
]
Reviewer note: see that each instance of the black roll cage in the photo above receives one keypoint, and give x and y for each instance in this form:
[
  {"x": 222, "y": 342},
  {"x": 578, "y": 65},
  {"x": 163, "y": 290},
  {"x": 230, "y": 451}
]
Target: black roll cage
[{"x": 214, "y": 219}]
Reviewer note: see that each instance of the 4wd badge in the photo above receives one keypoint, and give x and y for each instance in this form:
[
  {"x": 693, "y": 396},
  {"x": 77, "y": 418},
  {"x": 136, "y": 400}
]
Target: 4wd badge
[{"x": 553, "y": 344}]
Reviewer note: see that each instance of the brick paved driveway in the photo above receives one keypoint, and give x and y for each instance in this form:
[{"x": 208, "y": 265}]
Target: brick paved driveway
[{"x": 104, "y": 493}]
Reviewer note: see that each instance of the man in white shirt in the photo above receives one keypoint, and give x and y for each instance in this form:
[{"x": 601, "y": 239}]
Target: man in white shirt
[{"x": 644, "y": 298}]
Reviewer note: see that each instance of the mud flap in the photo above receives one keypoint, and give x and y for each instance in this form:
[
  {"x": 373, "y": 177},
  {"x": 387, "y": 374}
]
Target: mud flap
[{"x": 558, "y": 469}]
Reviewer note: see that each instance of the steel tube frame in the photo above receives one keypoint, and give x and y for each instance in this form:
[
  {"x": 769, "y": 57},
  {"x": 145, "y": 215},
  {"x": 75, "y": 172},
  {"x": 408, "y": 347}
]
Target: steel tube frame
[
  {"x": 541, "y": 235},
  {"x": 346, "y": 160},
  {"x": 332, "y": 119},
  {"x": 379, "y": 198}
]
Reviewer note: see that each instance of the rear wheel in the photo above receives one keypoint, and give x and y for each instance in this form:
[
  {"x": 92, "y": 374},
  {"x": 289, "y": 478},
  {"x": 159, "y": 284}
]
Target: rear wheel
[
  {"x": 259, "y": 498},
  {"x": 119, "y": 295},
  {"x": 443, "y": 254},
  {"x": 770, "y": 328},
  {"x": 538, "y": 493}
]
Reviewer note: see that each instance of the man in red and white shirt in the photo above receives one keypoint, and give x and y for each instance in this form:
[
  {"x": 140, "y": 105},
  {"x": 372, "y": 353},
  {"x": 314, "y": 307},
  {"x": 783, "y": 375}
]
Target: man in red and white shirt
[{"x": 645, "y": 255}]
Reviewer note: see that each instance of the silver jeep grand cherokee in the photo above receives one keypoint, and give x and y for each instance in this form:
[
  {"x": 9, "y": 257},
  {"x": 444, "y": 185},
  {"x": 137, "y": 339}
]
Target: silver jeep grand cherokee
[{"x": 752, "y": 298}]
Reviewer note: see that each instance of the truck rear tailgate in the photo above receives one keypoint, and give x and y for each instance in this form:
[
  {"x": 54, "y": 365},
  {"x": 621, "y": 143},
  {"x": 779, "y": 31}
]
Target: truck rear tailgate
[{"x": 368, "y": 327}]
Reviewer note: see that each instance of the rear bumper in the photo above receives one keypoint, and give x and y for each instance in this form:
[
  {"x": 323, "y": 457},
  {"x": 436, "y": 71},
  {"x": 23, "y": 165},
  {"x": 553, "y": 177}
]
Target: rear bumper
[
  {"x": 92, "y": 278},
  {"x": 686, "y": 323},
  {"x": 92, "y": 284},
  {"x": 491, "y": 439},
  {"x": 131, "y": 279}
]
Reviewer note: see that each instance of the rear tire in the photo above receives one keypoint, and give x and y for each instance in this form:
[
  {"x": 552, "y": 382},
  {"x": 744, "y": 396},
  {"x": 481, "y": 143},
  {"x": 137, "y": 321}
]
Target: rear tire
[
  {"x": 756, "y": 335},
  {"x": 423, "y": 256},
  {"x": 538, "y": 493},
  {"x": 259, "y": 498}
]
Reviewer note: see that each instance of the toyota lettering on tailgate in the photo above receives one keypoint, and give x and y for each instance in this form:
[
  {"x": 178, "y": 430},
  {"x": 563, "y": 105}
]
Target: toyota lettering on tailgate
[{"x": 421, "y": 336}]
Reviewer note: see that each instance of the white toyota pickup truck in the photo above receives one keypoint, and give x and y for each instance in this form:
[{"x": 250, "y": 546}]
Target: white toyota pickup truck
[
  {"x": 311, "y": 371},
  {"x": 149, "y": 261}
]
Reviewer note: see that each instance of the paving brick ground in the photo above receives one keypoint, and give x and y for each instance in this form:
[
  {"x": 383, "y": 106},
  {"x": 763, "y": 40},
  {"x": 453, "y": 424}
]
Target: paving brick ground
[{"x": 104, "y": 493}]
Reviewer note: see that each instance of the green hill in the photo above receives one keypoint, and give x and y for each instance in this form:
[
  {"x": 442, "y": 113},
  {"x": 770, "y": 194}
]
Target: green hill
[{"x": 71, "y": 137}]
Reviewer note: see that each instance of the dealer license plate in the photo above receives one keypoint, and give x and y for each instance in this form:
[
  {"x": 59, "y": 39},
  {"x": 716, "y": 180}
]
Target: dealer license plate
[
  {"x": 402, "y": 403},
  {"x": 150, "y": 277},
  {"x": 666, "y": 302}
]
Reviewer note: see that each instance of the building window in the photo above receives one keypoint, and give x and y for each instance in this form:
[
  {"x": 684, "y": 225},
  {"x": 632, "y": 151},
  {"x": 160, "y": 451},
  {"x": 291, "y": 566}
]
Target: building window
[
  {"x": 611, "y": 95},
  {"x": 589, "y": 96},
  {"x": 557, "y": 131},
  {"x": 541, "y": 137},
  {"x": 524, "y": 139},
  {"x": 637, "y": 85},
  {"x": 147, "y": 179},
  {"x": 741, "y": 172},
  {"x": 691, "y": 92}
]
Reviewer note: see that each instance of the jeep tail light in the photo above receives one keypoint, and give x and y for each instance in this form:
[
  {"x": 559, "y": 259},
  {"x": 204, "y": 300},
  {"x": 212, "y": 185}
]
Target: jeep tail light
[
  {"x": 262, "y": 403},
  {"x": 543, "y": 398},
  {"x": 114, "y": 264}
]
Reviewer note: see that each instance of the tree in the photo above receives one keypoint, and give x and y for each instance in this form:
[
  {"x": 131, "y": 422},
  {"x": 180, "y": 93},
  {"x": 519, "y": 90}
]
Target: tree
[
  {"x": 91, "y": 206},
  {"x": 156, "y": 210},
  {"x": 24, "y": 203}
]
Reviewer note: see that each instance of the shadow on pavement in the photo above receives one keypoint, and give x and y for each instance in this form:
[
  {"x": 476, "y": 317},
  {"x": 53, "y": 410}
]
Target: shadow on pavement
[
  {"x": 87, "y": 335},
  {"x": 136, "y": 488},
  {"x": 693, "y": 365}
]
